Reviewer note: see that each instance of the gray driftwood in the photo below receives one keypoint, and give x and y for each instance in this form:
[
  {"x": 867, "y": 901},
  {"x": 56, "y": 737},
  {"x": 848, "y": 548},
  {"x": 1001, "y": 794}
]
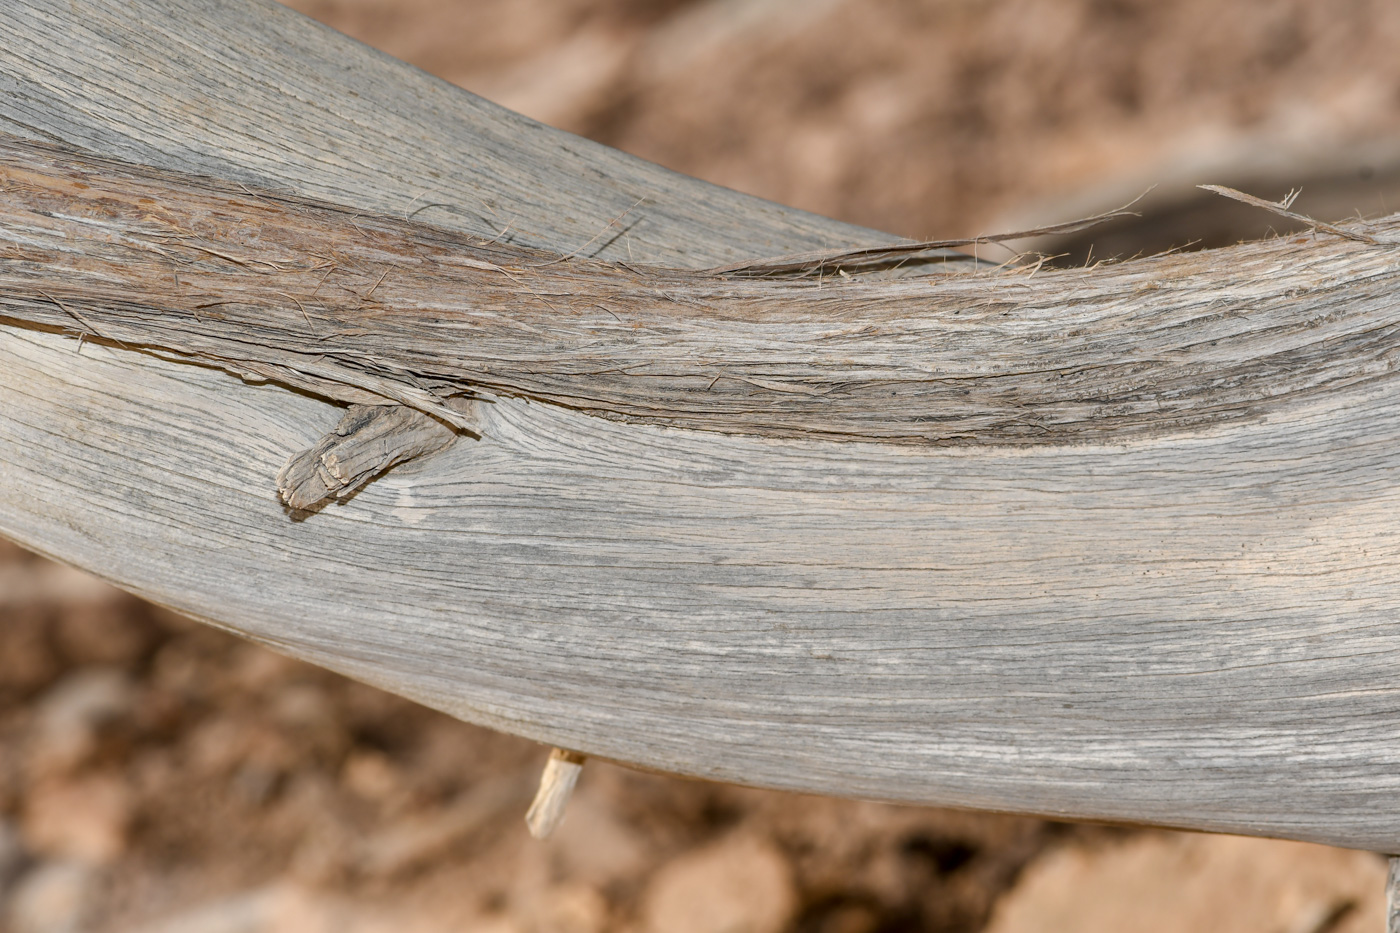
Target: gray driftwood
[
  {"x": 1141, "y": 567},
  {"x": 353, "y": 305}
]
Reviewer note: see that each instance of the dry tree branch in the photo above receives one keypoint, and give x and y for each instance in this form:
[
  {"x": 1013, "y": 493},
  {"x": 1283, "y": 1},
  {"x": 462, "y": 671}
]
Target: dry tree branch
[{"x": 1114, "y": 543}]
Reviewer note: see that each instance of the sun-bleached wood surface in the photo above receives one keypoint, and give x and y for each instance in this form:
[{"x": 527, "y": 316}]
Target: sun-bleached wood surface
[{"x": 1191, "y": 625}]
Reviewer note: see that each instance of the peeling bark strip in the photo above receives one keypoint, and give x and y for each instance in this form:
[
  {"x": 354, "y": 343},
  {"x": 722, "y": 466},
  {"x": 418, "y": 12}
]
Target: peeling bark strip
[{"x": 369, "y": 308}]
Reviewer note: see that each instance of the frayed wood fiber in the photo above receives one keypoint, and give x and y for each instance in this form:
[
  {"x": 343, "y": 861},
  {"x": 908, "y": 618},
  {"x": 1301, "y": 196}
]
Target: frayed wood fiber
[{"x": 362, "y": 307}]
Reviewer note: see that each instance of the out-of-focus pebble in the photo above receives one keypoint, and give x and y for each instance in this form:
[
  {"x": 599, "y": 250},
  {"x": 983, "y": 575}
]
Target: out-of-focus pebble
[
  {"x": 738, "y": 885},
  {"x": 568, "y": 908},
  {"x": 84, "y": 820},
  {"x": 53, "y": 898},
  {"x": 11, "y": 857},
  {"x": 291, "y": 908},
  {"x": 595, "y": 846},
  {"x": 1182, "y": 883},
  {"x": 71, "y": 715}
]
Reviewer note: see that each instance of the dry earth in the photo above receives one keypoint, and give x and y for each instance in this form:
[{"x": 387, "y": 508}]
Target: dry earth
[{"x": 159, "y": 775}]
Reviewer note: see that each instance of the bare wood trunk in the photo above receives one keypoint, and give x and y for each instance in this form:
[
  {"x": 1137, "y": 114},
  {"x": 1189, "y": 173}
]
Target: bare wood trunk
[{"x": 1165, "y": 593}]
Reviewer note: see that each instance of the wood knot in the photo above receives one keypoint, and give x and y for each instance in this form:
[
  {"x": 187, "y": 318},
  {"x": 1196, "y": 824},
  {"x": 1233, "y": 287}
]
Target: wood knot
[{"x": 368, "y": 441}]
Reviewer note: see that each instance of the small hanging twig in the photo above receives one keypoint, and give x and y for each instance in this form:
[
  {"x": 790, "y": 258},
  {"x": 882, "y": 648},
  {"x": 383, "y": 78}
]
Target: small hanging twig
[
  {"x": 1392, "y": 896},
  {"x": 557, "y": 782}
]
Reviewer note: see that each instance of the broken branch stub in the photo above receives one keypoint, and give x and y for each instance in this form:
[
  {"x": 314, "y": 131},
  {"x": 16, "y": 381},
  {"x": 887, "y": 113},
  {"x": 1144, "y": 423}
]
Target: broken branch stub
[
  {"x": 369, "y": 440},
  {"x": 557, "y": 781}
]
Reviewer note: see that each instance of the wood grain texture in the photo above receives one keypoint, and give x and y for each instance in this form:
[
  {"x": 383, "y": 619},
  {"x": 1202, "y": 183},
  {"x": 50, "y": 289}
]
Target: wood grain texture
[
  {"x": 1193, "y": 627},
  {"x": 345, "y": 303}
]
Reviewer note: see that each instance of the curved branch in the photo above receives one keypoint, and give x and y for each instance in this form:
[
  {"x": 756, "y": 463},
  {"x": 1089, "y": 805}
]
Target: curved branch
[{"x": 1191, "y": 627}]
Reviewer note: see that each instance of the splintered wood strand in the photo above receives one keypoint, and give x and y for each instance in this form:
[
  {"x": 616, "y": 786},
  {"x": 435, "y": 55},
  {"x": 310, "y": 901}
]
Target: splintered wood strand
[
  {"x": 342, "y": 303},
  {"x": 557, "y": 783},
  {"x": 1392, "y": 896}
]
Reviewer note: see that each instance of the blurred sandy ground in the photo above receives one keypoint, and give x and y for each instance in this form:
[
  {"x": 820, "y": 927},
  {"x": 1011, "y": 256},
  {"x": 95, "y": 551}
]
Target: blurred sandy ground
[
  {"x": 938, "y": 118},
  {"x": 159, "y": 775}
]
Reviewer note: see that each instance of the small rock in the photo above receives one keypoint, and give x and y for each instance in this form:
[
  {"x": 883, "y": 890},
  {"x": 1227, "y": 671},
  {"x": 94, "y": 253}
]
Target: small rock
[
  {"x": 53, "y": 898},
  {"x": 84, "y": 820},
  {"x": 247, "y": 912},
  {"x": 1183, "y": 883},
  {"x": 284, "y": 907},
  {"x": 569, "y": 908},
  {"x": 71, "y": 715},
  {"x": 255, "y": 784},
  {"x": 308, "y": 719},
  {"x": 11, "y": 857},
  {"x": 371, "y": 775},
  {"x": 225, "y": 742},
  {"x": 738, "y": 885},
  {"x": 411, "y": 842},
  {"x": 303, "y": 706}
]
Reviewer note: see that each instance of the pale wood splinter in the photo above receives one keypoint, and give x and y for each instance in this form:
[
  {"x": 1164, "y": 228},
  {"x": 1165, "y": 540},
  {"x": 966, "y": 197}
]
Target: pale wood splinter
[
  {"x": 557, "y": 782},
  {"x": 1392, "y": 896}
]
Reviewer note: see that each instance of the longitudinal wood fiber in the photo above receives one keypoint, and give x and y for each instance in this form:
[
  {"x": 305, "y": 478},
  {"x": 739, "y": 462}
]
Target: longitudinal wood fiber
[{"x": 349, "y": 304}]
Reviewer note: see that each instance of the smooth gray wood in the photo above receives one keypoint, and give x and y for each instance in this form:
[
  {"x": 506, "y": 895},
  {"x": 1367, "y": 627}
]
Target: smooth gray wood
[
  {"x": 252, "y": 91},
  {"x": 1194, "y": 628}
]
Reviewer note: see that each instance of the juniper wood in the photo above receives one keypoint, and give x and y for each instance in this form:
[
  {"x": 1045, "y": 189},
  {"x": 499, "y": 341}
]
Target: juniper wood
[
  {"x": 356, "y": 306},
  {"x": 1189, "y": 622}
]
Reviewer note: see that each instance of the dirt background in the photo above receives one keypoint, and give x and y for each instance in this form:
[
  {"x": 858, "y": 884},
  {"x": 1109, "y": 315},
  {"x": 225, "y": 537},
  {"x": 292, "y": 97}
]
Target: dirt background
[{"x": 157, "y": 775}]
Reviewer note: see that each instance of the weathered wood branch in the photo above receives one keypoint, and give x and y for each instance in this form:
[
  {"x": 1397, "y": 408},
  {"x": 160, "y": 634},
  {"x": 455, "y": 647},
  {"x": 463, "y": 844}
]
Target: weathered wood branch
[
  {"x": 1186, "y": 619},
  {"x": 350, "y": 304}
]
